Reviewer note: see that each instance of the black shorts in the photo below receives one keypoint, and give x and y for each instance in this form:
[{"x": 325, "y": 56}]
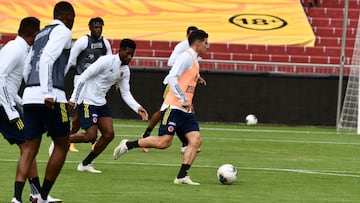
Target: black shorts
[
  {"x": 38, "y": 119},
  {"x": 89, "y": 114},
  {"x": 12, "y": 132},
  {"x": 174, "y": 120}
]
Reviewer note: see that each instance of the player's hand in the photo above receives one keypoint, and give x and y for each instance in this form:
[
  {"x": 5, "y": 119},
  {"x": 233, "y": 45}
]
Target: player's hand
[
  {"x": 201, "y": 80},
  {"x": 188, "y": 106},
  {"x": 49, "y": 103},
  {"x": 192, "y": 109},
  {"x": 143, "y": 114},
  {"x": 117, "y": 86},
  {"x": 71, "y": 106}
]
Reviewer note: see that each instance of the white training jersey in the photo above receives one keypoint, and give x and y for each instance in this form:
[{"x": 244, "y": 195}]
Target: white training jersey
[
  {"x": 79, "y": 46},
  {"x": 98, "y": 78},
  {"x": 59, "y": 39},
  {"x": 182, "y": 64},
  {"x": 12, "y": 61},
  {"x": 178, "y": 49}
]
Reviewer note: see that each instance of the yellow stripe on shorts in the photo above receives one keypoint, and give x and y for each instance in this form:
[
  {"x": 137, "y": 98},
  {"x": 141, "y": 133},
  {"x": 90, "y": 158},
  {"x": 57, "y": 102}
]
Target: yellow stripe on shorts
[
  {"x": 20, "y": 124},
  {"x": 64, "y": 115},
  {"x": 166, "y": 116},
  {"x": 86, "y": 111}
]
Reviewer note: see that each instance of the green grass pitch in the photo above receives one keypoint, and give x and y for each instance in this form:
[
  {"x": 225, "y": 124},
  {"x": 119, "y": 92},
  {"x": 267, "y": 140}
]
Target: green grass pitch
[{"x": 274, "y": 163}]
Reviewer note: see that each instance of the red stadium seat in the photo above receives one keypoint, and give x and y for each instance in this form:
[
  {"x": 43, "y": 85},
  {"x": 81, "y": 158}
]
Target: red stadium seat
[
  {"x": 333, "y": 41},
  {"x": 340, "y": 3},
  {"x": 334, "y": 31},
  {"x": 162, "y": 45},
  {"x": 353, "y": 13},
  {"x": 333, "y": 22}
]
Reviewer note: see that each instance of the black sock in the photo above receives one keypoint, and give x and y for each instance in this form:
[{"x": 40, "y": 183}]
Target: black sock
[
  {"x": 19, "y": 186},
  {"x": 132, "y": 144},
  {"x": 89, "y": 158},
  {"x": 183, "y": 170},
  {"x": 147, "y": 132},
  {"x": 34, "y": 185},
  {"x": 47, "y": 185}
]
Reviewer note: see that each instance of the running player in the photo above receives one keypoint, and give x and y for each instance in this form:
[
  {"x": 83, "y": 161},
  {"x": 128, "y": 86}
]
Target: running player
[
  {"x": 176, "y": 110},
  {"x": 85, "y": 51},
  {"x": 93, "y": 84}
]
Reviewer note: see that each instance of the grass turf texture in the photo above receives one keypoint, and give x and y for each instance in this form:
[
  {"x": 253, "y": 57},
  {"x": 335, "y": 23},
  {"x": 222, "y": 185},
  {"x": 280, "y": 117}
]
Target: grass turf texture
[{"x": 275, "y": 164}]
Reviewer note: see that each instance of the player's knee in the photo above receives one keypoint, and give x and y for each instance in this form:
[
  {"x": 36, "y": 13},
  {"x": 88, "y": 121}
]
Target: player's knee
[
  {"x": 74, "y": 129},
  {"x": 90, "y": 137},
  {"x": 196, "y": 140},
  {"x": 163, "y": 144},
  {"x": 29, "y": 152},
  {"x": 109, "y": 136},
  {"x": 199, "y": 141}
]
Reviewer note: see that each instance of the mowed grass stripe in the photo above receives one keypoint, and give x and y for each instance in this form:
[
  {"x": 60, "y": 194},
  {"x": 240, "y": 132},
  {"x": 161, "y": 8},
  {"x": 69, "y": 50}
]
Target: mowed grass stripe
[{"x": 304, "y": 171}]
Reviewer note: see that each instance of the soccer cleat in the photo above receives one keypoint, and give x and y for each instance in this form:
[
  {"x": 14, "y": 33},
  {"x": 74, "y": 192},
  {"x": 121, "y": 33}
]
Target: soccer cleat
[
  {"x": 40, "y": 200},
  {"x": 14, "y": 200},
  {"x": 34, "y": 198},
  {"x": 37, "y": 199},
  {"x": 185, "y": 180},
  {"x": 88, "y": 168},
  {"x": 120, "y": 149},
  {"x": 183, "y": 149},
  {"x": 51, "y": 148},
  {"x": 72, "y": 148},
  {"x": 53, "y": 200}
]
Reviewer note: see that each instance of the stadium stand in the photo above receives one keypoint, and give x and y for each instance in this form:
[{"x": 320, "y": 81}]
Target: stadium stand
[
  {"x": 327, "y": 24},
  {"x": 333, "y": 41},
  {"x": 326, "y": 21}
]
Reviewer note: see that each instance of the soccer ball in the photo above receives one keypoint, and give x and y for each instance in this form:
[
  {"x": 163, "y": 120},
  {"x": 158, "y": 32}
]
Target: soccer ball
[
  {"x": 227, "y": 174},
  {"x": 251, "y": 119}
]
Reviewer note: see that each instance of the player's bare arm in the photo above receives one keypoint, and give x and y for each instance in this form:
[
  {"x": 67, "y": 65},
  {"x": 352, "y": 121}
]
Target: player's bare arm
[
  {"x": 143, "y": 113},
  {"x": 71, "y": 106},
  {"x": 201, "y": 80}
]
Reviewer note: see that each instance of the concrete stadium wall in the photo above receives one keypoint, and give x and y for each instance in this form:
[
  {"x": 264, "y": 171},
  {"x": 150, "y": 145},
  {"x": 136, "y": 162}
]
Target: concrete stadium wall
[{"x": 229, "y": 97}]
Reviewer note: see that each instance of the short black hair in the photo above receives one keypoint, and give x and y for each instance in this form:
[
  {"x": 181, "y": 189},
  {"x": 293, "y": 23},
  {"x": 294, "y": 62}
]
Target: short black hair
[
  {"x": 127, "y": 43},
  {"x": 197, "y": 35},
  {"x": 190, "y": 29},
  {"x": 96, "y": 20},
  {"x": 29, "y": 26},
  {"x": 62, "y": 9}
]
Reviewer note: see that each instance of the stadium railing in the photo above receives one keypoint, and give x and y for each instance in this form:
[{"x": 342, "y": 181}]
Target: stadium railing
[{"x": 249, "y": 66}]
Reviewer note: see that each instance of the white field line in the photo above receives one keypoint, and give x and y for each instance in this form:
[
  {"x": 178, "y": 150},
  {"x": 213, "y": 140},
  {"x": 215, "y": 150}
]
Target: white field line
[
  {"x": 263, "y": 140},
  {"x": 142, "y": 127},
  {"x": 304, "y": 171},
  {"x": 352, "y": 174},
  {"x": 257, "y": 140}
]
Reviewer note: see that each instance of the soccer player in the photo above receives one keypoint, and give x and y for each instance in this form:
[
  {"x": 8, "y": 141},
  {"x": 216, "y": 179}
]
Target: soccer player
[
  {"x": 44, "y": 100},
  {"x": 93, "y": 84},
  {"x": 181, "y": 46},
  {"x": 155, "y": 118},
  {"x": 12, "y": 57},
  {"x": 84, "y": 52},
  {"x": 176, "y": 115}
]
